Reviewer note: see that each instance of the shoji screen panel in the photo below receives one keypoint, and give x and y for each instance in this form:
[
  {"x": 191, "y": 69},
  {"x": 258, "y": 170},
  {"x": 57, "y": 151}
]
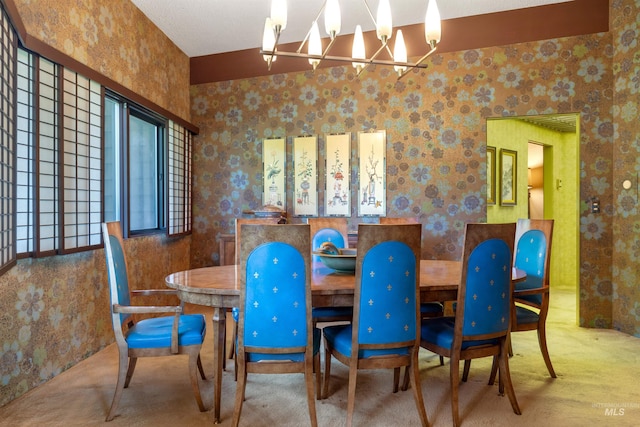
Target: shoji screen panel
[
  {"x": 81, "y": 156},
  {"x": 179, "y": 165},
  {"x": 8, "y": 45}
]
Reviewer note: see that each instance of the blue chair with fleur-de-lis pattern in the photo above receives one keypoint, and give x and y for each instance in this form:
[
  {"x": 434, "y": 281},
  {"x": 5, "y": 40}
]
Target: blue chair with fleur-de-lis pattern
[
  {"x": 275, "y": 333},
  {"x": 482, "y": 321},
  {"x": 384, "y": 333},
  {"x": 533, "y": 255},
  {"x": 333, "y": 230},
  {"x": 177, "y": 334}
]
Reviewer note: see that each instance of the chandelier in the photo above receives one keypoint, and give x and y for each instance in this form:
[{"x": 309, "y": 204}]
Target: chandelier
[{"x": 277, "y": 22}]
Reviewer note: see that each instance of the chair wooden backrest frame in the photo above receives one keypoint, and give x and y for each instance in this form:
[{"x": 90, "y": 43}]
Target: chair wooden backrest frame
[
  {"x": 386, "y": 220},
  {"x": 482, "y": 322},
  {"x": 370, "y": 236},
  {"x": 285, "y": 352},
  {"x": 385, "y": 331},
  {"x": 475, "y": 236},
  {"x": 240, "y": 221}
]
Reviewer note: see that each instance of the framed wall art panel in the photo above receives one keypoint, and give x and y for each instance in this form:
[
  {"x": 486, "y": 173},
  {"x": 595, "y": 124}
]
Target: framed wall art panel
[
  {"x": 305, "y": 176},
  {"x": 274, "y": 157},
  {"x": 372, "y": 151},
  {"x": 337, "y": 192}
]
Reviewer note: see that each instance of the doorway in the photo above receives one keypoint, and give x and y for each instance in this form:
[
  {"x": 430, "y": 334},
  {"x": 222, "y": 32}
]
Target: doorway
[
  {"x": 557, "y": 136},
  {"x": 535, "y": 180}
]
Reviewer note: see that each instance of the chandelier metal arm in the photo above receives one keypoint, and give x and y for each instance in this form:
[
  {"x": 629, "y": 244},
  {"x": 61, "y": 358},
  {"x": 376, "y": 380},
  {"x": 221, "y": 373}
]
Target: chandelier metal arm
[
  {"x": 272, "y": 54},
  {"x": 346, "y": 58}
]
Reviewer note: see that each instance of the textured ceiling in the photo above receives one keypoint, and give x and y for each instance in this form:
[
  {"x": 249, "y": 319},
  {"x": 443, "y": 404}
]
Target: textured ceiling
[
  {"x": 557, "y": 122},
  {"x": 205, "y": 27}
]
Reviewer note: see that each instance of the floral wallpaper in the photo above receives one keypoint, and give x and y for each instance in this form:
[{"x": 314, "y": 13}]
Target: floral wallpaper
[
  {"x": 54, "y": 311},
  {"x": 116, "y": 39},
  {"x": 436, "y": 137},
  {"x": 625, "y": 164}
]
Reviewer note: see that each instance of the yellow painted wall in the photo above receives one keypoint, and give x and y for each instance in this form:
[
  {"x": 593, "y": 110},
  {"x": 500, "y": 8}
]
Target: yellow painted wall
[{"x": 561, "y": 203}]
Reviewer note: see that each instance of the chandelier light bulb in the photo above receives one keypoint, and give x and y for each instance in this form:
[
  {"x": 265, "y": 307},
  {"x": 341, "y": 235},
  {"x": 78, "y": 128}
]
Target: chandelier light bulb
[
  {"x": 279, "y": 14},
  {"x": 399, "y": 52},
  {"x": 432, "y": 26},
  {"x": 383, "y": 24},
  {"x": 357, "y": 51},
  {"x": 315, "y": 45},
  {"x": 332, "y": 18}
]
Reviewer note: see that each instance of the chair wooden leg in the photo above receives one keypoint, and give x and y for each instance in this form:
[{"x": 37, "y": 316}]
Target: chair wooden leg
[
  {"x": 316, "y": 369},
  {"x": 414, "y": 375},
  {"x": 405, "y": 381},
  {"x": 505, "y": 376},
  {"x": 327, "y": 371},
  {"x": 132, "y": 367},
  {"x": 194, "y": 365},
  {"x": 455, "y": 382},
  {"x": 120, "y": 384},
  {"x": 351, "y": 397},
  {"x": 311, "y": 402},
  {"x": 201, "y": 369},
  {"x": 494, "y": 370},
  {"x": 465, "y": 370},
  {"x": 240, "y": 388},
  {"x": 396, "y": 379},
  {"x": 542, "y": 340}
]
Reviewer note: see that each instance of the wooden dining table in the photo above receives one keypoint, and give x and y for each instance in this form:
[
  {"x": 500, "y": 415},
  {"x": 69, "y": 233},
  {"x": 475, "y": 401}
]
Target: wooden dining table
[{"x": 218, "y": 287}]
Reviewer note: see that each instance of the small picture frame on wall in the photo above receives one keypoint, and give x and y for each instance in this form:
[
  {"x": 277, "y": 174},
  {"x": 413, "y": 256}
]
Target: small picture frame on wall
[
  {"x": 508, "y": 174},
  {"x": 491, "y": 175}
]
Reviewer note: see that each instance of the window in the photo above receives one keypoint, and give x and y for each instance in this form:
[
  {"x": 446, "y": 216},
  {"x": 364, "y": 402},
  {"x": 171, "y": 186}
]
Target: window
[
  {"x": 134, "y": 167},
  {"x": 73, "y": 154},
  {"x": 8, "y": 65}
]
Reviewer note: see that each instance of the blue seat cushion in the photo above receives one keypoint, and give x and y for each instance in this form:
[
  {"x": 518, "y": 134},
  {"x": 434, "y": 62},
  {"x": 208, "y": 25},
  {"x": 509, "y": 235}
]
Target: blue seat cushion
[
  {"x": 339, "y": 338},
  {"x": 439, "y": 331},
  {"x": 329, "y": 312},
  {"x": 295, "y": 357},
  {"x": 530, "y": 283},
  {"x": 156, "y": 332},
  {"x": 524, "y": 315}
]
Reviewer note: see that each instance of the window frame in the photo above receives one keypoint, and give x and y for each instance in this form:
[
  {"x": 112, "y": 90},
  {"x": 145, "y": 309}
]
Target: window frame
[{"x": 127, "y": 110}]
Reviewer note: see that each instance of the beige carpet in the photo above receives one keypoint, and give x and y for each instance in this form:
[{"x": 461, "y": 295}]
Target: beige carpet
[{"x": 597, "y": 385}]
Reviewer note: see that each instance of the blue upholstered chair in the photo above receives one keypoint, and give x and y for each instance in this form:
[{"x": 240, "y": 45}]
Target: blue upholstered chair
[
  {"x": 427, "y": 309},
  {"x": 275, "y": 333},
  {"x": 482, "y": 319},
  {"x": 332, "y": 230},
  {"x": 178, "y": 334},
  {"x": 384, "y": 333},
  {"x": 238, "y": 238},
  {"x": 533, "y": 255}
]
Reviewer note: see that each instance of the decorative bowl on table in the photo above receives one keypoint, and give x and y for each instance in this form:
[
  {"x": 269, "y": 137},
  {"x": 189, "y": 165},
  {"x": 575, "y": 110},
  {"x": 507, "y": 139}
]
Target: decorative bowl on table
[{"x": 339, "y": 259}]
